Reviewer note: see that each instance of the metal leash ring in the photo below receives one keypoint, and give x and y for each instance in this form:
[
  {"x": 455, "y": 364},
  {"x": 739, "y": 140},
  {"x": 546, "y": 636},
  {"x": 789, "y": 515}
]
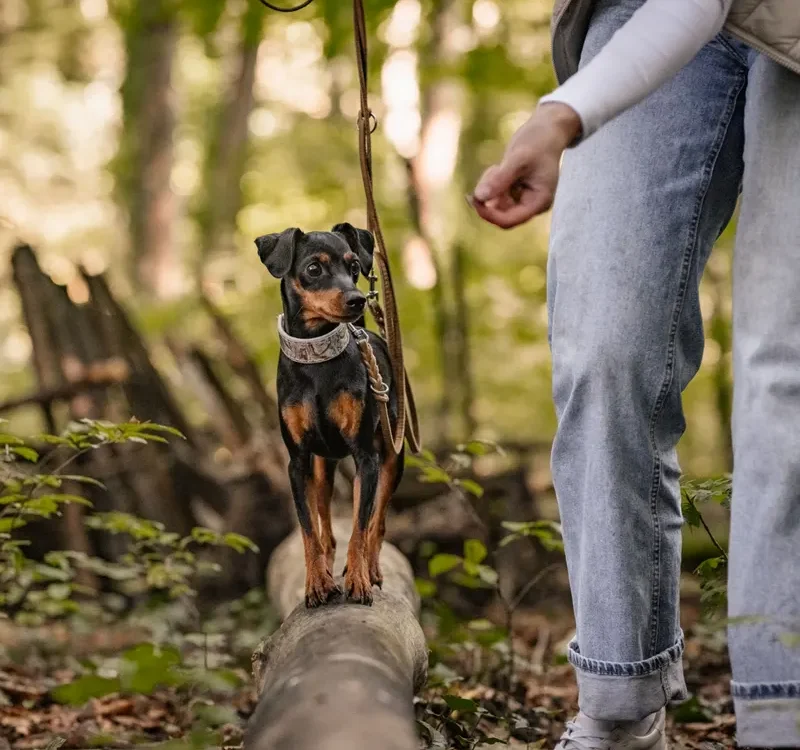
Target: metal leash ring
[
  {"x": 293, "y": 9},
  {"x": 371, "y": 119}
]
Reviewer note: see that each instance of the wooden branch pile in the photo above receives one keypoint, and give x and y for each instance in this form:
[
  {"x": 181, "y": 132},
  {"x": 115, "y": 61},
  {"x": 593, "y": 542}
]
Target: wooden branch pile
[{"x": 90, "y": 362}]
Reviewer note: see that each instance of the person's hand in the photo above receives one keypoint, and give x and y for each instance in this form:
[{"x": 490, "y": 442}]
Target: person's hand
[{"x": 524, "y": 183}]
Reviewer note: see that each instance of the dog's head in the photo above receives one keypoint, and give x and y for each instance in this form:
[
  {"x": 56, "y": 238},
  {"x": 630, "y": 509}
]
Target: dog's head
[{"x": 319, "y": 272}]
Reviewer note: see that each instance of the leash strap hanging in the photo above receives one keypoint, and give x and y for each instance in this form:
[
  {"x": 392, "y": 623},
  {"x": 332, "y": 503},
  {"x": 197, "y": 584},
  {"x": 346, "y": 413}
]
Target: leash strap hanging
[
  {"x": 388, "y": 322},
  {"x": 292, "y": 9}
]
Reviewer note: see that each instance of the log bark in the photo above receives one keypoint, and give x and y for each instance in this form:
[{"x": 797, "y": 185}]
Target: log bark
[{"x": 340, "y": 676}]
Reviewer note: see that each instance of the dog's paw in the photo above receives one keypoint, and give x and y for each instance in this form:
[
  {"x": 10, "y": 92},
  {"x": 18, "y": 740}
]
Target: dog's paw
[
  {"x": 358, "y": 587},
  {"x": 375, "y": 575},
  {"x": 320, "y": 589}
]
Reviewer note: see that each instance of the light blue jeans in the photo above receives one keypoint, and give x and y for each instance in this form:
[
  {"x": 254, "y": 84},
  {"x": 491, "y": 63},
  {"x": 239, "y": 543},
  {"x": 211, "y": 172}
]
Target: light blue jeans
[{"x": 638, "y": 208}]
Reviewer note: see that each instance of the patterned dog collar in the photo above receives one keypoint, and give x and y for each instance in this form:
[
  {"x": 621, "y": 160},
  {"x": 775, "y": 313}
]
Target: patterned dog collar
[{"x": 316, "y": 350}]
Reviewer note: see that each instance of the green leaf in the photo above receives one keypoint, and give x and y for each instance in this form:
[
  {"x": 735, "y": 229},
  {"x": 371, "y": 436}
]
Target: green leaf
[
  {"x": 201, "y": 535},
  {"x": 691, "y": 711},
  {"x": 52, "y": 573},
  {"x": 468, "y": 485},
  {"x": 516, "y": 526},
  {"x": 710, "y": 567},
  {"x": 435, "y": 475},
  {"x": 425, "y": 588},
  {"x": 67, "y": 499},
  {"x": 239, "y": 543},
  {"x": 691, "y": 515},
  {"x": 9, "y": 524},
  {"x": 29, "y": 454},
  {"x": 213, "y": 715},
  {"x": 468, "y": 581},
  {"x": 488, "y": 575},
  {"x": 443, "y": 563},
  {"x": 6, "y": 439},
  {"x": 59, "y": 590},
  {"x": 456, "y": 703},
  {"x": 80, "y": 691},
  {"x": 146, "y": 666},
  {"x": 414, "y": 462},
  {"x": 480, "y": 447},
  {"x": 474, "y": 550},
  {"x": 15, "y": 497}
]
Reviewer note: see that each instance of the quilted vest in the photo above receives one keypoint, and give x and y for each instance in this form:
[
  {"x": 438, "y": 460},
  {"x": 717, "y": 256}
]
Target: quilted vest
[{"x": 770, "y": 26}]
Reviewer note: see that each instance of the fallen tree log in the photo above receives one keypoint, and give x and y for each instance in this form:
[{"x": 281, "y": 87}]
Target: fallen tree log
[{"x": 341, "y": 676}]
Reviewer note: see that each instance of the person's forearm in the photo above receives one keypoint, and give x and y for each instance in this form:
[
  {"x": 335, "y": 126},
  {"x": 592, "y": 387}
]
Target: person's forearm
[{"x": 658, "y": 40}]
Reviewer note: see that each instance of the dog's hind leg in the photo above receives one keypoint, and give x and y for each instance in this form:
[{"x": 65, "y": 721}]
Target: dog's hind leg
[
  {"x": 320, "y": 586},
  {"x": 388, "y": 479},
  {"x": 323, "y": 471},
  {"x": 357, "y": 579}
]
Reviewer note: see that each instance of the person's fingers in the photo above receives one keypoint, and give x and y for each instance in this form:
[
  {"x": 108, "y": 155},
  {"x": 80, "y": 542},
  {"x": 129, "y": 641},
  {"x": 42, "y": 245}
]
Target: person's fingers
[
  {"x": 497, "y": 180},
  {"x": 533, "y": 203}
]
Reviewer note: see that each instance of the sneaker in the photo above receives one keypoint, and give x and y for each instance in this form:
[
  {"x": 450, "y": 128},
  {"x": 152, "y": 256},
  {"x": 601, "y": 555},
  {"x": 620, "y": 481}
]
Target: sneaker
[{"x": 587, "y": 734}]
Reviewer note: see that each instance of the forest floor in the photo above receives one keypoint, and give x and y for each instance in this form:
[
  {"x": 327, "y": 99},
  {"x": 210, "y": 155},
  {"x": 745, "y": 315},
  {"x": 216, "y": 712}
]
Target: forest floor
[{"x": 466, "y": 705}]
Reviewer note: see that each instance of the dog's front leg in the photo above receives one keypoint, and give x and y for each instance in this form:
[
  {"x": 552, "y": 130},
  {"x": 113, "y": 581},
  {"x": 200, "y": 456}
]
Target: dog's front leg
[
  {"x": 320, "y": 586},
  {"x": 357, "y": 579}
]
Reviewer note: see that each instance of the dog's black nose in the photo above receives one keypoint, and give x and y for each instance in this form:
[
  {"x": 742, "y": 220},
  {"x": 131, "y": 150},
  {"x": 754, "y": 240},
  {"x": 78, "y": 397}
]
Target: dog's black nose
[{"x": 356, "y": 301}]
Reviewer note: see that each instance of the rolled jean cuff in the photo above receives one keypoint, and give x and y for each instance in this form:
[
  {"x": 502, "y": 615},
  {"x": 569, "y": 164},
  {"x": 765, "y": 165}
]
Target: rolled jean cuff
[
  {"x": 767, "y": 714},
  {"x": 628, "y": 691}
]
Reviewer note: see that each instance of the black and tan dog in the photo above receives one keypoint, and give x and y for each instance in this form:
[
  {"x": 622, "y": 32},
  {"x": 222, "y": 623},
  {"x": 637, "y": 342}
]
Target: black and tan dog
[{"x": 327, "y": 409}]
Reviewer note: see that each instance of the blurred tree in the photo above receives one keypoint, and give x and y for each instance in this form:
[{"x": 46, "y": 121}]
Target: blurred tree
[
  {"x": 229, "y": 120},
  {"x": 226, "y": 149},
  {"x": 146, "y": 151}
]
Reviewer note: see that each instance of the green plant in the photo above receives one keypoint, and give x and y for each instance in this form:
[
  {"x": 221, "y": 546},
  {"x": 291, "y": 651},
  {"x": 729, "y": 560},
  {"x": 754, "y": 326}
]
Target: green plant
[
  {"x": 458, "y": 721},
  {"x": 158, "y": 570},
  {"x": 157, "y": 561},
  {"x": 712, "y": 571}
]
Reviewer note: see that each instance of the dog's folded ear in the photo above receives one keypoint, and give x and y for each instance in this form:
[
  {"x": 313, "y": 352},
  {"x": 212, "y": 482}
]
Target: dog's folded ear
[
  {"x": 276, "y": 251},
  {"x": 361, "y": 242}
]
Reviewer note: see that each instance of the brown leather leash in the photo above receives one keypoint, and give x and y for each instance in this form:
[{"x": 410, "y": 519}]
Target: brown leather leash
[{"x": 387, "y": 318}]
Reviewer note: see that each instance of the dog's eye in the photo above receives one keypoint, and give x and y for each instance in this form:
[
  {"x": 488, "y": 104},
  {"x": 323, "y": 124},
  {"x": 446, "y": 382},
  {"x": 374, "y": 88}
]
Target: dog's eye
[
  {"x": 355, "y": 268},
  {"x": 314, "y": 269}
]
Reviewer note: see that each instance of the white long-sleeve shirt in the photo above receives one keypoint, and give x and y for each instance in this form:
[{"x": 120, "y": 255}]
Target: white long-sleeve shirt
[{"x": 656, "y": 42}]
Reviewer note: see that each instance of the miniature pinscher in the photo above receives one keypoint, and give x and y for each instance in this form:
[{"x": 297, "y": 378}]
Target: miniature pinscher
[{"x": 327, "y": 409}]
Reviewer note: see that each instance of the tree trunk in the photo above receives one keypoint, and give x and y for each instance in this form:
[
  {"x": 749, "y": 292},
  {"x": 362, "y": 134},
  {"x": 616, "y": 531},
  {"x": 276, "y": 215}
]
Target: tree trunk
[
  {"x": 227, "y": 148},
  {"x": 146, "y": 151},
  {"x": 341, "y": 676}
]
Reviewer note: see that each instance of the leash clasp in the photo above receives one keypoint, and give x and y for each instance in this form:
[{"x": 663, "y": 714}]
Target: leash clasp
[
  {"x": 372, "y": 278},
  {"x": 359, "y": 334}
]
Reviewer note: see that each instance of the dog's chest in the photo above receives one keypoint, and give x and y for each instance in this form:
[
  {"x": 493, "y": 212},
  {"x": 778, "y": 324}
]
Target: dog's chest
[{"x": 334, "y": 395}]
